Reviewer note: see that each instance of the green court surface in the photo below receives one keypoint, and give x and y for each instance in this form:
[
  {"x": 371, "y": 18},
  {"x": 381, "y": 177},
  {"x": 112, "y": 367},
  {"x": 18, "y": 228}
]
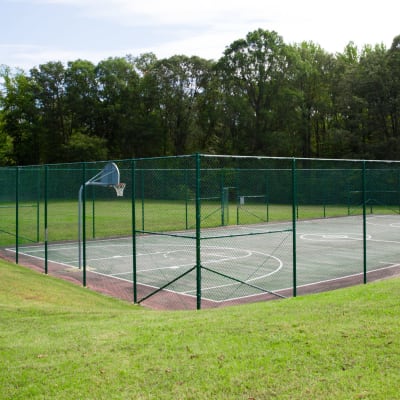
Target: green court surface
[{"x": 239, "y": 261}]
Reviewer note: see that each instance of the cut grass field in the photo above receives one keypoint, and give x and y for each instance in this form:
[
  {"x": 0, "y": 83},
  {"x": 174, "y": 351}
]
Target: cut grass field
[
  {"x": 108, "y": 218},
  {"x": 60, "y": 341}
]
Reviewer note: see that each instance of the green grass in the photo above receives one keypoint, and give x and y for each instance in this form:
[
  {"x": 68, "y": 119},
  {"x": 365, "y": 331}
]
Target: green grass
[
  {"x": 107, "y": 218},
  {"x": 110, "y": 218},
  {"x": 60, "y": 341}
]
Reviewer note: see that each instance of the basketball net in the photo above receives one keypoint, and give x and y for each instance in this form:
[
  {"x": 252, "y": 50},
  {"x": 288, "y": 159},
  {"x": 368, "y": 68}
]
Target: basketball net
[{"x": 119, "y": 188}]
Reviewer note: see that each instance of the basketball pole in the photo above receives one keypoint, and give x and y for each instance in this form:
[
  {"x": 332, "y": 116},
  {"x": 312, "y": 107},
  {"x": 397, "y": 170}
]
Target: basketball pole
[{"x": 108, "y": 176}]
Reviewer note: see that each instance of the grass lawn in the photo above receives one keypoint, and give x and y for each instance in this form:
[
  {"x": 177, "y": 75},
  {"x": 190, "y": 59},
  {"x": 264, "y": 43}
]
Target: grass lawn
[
  {"x": 60, "y": 341},
  {"x": 107, "y": 218}
]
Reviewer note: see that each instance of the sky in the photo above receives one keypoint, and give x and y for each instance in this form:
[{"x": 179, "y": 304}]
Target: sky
[{"x": 34, "y": 32}]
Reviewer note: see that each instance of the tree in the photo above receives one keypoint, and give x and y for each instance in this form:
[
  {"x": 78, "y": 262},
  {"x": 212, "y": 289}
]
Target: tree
[
  {"x": 6, "y": 144},
  {"x": 82, "y": 147},
  {"x": 19, "y": 120},
  {"x": 253, "y": 72},
  {"x": 211, "y": 136},
  {"x": 370, "y": 105},
  {"x": 311, "y": 104},
  {"x": 50, "y": 101},
  {"x": 262, "y": 97},
  {"x": 393, "y": 56},
  {"x": 143, "y": 63},
  {"x": 118, "y": 84},
  {"x": 180, "y": 80},
  {"x": 81, "y": 96},
  {"x": 148, "y": 139}
]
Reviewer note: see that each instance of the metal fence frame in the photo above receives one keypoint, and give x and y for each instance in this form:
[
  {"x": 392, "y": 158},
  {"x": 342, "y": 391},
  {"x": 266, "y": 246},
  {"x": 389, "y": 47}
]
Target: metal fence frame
[{"x": 37, "y": 188}]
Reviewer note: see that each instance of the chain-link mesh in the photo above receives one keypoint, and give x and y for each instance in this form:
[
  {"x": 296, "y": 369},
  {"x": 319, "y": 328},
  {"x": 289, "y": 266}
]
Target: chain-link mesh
[
  {"x": 205, "y": 231},
  {"x": 8, "y": 202}
]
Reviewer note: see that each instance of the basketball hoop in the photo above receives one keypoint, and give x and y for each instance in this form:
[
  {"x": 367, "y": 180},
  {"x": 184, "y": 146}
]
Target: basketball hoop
[
  {"x": 108, "y": 177},
  {"x": 119, "y": 188}
]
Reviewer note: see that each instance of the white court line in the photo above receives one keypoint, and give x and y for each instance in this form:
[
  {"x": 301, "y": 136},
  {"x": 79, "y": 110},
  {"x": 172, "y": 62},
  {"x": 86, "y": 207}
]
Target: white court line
[
  {"x": 42, "y": 258},
  {"x": 394, "y": 225},
  {"x": 178, "y": 266},
  {"x": 188, "y": 293},
  {"x": 72, "y": 263},
  {"x": 37, "y": 249},
  {"x": 74, "y": 246},
  {"x": 323, "y": 237},
  {"x": 392, "y": 265},
  {"x": 280, "y": 266},
  {"x": 343, "y": 277},
  {"x": 383, "y": 241}
]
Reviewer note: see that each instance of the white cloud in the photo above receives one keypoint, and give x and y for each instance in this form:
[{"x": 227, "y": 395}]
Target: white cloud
[
  {"x": 170, "y": 12},
  {"x": 324, "y": 22},
  {"x": 202, "y": 28},
  {"x": 28, "y": 56}
]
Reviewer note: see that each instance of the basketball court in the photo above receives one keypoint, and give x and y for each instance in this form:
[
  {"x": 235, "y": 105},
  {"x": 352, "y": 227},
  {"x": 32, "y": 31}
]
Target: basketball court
[
  {"x": 256, "y": 259},
  {"x": 205, "y": 229}
]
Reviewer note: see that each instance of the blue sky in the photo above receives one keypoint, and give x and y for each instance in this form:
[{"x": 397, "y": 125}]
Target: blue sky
[{"x": 33, "y": 32}]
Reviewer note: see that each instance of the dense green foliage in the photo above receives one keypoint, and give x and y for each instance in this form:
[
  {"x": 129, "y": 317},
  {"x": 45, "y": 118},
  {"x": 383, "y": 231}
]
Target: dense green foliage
[
  {"x": 61, "y": 341},
  {"x": 262, "y": 97}
]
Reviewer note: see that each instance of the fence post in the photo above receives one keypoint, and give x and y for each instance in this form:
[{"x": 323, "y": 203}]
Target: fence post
[
  {"x": 364, "y": 200},
  {"x": 223, "y": 193},
  {"x": 133, "y": 199},
  {"x": 16, "y": 215},
  {"x": 294, "y": 217},
  {"x": 186, "y": 200},
  {"x": 198, "y": 233},
  {"x": 93, "y": 213},
  {"x": 46, "y": 236},
  {"x": 38, "y": 198},
  {"x": 83, "y": 222},
  {"x": 142, "y": 195}
]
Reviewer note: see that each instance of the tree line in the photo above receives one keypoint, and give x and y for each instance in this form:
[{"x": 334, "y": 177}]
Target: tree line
[{"x": 262, "y": 97}]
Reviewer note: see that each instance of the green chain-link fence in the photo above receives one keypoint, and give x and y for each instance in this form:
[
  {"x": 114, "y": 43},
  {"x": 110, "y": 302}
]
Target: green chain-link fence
[{"x": 205, "y": 231}]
